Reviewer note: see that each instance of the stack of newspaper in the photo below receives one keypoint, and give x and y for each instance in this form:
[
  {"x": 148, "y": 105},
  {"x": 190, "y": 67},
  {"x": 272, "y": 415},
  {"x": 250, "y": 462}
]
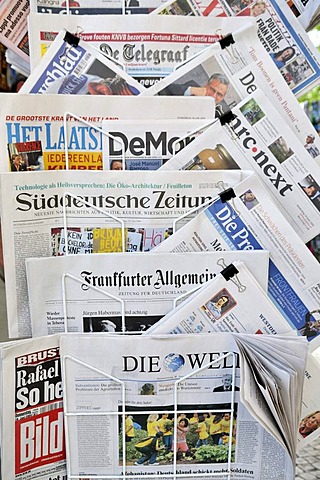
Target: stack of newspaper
[{"x": 163, "y": 307}]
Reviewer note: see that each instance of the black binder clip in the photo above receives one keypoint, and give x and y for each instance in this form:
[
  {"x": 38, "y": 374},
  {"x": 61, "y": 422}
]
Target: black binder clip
[
  {"x": 71, "y": 39},
  {"x": 229, "y": 272},
  {"x": 226, "y": 41},
  {"x": 227, "y": 117},
  {"x": 227, "y": 195}
]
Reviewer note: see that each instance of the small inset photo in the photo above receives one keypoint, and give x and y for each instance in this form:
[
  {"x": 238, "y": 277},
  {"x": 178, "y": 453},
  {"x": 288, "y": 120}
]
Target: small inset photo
[
  {"x": 238, "y": 6},
  {"x": 252, "y": 112},
  {"x": 297, "y": 71},
  {"x": 281, "y": 57},
  {"x": 25, "y": 156},
  {"x": 310, "y": 145},
  {"x": 219, "y": 305},
  {"x": 312, "y": 189},
  {"x": 147, "y": 389},
  {"x": 178, "y": 7},
  {"x": 225, "y": 384},
  {"x": 309, "y": 424},
  {"x": 213, "y": 159},
  {"x": 249, "y": 199},
  {"x": 280, "y": 149}
]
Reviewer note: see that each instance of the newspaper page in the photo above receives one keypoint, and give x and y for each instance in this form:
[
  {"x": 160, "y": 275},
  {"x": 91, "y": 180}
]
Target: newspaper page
[
  {"x": 184, "y": 389},
  {"x": 73, "y": 67},
  {"x": 257, "y": 138},
  {"x": 149, "y": 47},
  {"x": 94, "y": 7},
  {"x": 13, "y": 26},
  {"x": 118, "y": 212},
  {"x": 294, "y": 272},
  {"x": 310, "y": 414},
  {"x": 225, "y": 304},
  {"x": 146, "y": 146},
  {"x": 148, "y": 286},
  {"x": 33, "y": 127},
  {"x": 32, "y": 431},
  {"x": 280, "y": 33},
  {"x": 231, "y": 74}
]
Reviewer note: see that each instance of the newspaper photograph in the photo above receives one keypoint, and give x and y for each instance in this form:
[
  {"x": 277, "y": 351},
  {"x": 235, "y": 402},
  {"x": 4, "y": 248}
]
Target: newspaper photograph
[
  {"x": 310, "y": 413},
  {"x": 230, "y": 74},
  {"x": 73, "y": 67},
  {"x": 34, "y": 124},
  {"x": 279, "y": 31},
  {"x": 224, "y": 304},
  {"x": 188, "y": 403},
  {"x": 149, "y": 47},
  {"x": 258, "y": 139},
  {"x": 116, "y": 213},
  {"x": 145, "y": 145},
  {"x": 13, "y": 26},
  {"x": 143, "y": 290},
  {"x": 32, "y": 426},
  {"x": 250, "y": 224}
]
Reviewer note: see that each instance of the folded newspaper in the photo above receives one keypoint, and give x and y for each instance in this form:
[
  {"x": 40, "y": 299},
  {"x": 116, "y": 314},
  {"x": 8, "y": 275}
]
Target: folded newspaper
[
  {"x": 248, "y": 224},
  {"x": 225, "y": 304},
  {"x": 148, "y": 47},
  {"x": 32, "y": 429},
  {"x": 13, "y": 22},
  {"x": 255, "y": 137},
  {"x": 74, "y": 67},
  {"x": 145, "y": 145},
  {"x": 229, "y": 71},
  {"x": 174, "y": 386},
  {"x": 118, "y": 213},
  {"x": 90, "y": 293},
  {"x": 45, "y": 130},
  {"x": 280, "y": 33}
]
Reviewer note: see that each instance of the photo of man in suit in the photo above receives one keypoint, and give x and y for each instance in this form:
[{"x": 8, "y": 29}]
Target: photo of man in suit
[
  {"x": 216, "y": 86},
  {"x": 226, "y": 384}
]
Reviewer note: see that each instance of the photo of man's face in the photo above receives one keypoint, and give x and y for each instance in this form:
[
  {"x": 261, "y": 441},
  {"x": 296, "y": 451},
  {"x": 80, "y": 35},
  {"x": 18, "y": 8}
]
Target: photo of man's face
[
  {"x": 217, "y": 90},
  {"x": 227, "y": 380}
]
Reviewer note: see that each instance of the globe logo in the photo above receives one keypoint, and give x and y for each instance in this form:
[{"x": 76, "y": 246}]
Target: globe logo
[{"x": 173, "y": 362}]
